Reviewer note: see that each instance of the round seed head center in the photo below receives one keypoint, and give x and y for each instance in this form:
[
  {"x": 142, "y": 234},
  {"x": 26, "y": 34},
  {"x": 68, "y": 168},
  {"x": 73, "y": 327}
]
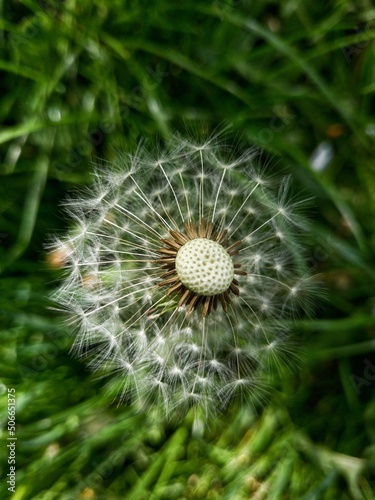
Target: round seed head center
[{"x": 204, "y": 267}]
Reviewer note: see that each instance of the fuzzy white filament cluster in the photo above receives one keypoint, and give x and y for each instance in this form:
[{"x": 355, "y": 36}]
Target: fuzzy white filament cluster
[{"x": 159, "y": 348}]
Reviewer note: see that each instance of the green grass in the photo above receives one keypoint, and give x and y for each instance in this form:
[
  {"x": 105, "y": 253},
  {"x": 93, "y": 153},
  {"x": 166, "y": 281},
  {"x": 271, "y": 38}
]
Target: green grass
[{"x": 80, "y": 80}]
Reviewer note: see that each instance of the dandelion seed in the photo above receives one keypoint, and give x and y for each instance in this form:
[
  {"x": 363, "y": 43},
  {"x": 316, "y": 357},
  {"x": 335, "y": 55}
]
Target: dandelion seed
[{"x": 180, "y": 269}]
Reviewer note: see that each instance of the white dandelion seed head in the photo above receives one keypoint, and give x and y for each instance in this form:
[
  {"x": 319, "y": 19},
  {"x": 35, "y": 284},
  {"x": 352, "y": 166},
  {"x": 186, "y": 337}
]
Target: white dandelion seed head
[{"x": 178, "y": 266}]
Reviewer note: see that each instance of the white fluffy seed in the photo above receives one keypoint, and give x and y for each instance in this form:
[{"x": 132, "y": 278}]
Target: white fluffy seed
[{"x": 204, "y": 267}]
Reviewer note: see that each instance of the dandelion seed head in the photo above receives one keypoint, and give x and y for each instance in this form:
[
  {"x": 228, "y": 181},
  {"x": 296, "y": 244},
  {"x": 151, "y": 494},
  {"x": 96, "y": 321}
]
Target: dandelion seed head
[{"x": 179, "y": 268}]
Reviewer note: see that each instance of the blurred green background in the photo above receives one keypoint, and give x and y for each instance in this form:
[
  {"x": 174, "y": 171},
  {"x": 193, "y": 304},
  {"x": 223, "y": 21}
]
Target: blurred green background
[{"x": 80, "y": 80}]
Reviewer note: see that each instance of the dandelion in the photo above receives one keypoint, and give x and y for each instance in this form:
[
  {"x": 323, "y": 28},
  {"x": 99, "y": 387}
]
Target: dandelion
[{"x": 183, "y": 269}]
